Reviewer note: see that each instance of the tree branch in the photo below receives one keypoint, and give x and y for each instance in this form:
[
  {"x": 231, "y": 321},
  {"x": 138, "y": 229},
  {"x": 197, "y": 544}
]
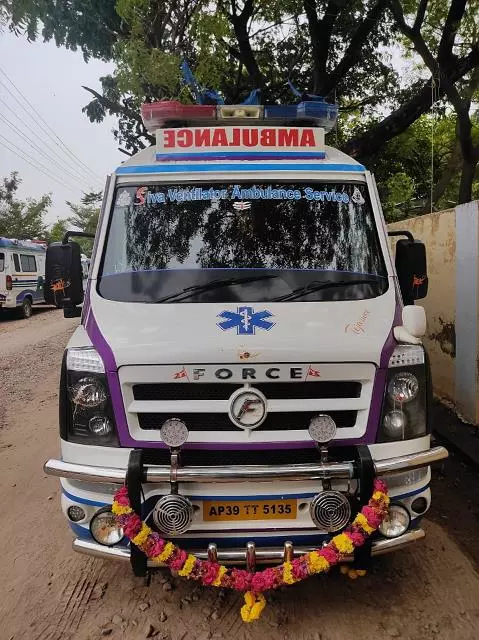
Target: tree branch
[
  {"x": 421, "y": 12},
  {"x": 453, "y": 21},
  {"x": 247, "y": 56}
]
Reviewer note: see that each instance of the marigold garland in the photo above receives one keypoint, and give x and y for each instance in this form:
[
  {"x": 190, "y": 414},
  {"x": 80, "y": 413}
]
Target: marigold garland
[{"x": 253, "y": 583}]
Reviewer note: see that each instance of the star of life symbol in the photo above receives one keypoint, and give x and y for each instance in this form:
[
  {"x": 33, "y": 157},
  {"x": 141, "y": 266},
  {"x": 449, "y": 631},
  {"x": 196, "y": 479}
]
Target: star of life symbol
[
  {"x": 124, "y": 199},
  {"x": 245, "y": 320},
  {"x": 241, "y": 206}
]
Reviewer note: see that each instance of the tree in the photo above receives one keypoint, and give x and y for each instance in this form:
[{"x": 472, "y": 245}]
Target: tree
[
  {"x": 58, "y": 230},
  {"x": 85, "y": 217},
  {"x": 21, "y": 219}
]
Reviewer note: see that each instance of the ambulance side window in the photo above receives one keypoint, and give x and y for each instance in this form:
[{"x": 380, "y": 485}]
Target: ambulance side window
[
  {"x": 2, "y": 262},
  {"x": 28, "y": 263},
  {"x": 16, "y": 262}
]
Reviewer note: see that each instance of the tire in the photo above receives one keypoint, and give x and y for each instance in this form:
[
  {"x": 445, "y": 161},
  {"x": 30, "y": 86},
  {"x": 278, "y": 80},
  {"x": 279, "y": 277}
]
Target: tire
[{"x": 26, "y": 309}]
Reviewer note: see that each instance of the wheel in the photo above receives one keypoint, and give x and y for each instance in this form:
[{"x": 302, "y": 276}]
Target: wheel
[{"x": 26, "y": 308}]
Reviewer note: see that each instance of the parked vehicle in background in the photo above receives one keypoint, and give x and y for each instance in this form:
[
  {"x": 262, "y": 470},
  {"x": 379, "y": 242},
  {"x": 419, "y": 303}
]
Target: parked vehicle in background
[{"x": 22, "y": 274}]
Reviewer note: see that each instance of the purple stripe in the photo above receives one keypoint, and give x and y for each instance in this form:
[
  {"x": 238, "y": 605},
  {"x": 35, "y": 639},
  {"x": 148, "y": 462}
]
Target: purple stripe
[{"x": 231, "y": 155}]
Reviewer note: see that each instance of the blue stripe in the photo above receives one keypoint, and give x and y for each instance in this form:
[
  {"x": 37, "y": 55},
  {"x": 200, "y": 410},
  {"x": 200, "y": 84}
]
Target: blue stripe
[
  {"x": 243, "y": 155},
  {"x": 284, "y": 496},
  {"x": 92, "y": 503},
  {"x": 80, "y": 532},
  {"x": 184, "y": 168},
  {"x": 411, "y": 493}
]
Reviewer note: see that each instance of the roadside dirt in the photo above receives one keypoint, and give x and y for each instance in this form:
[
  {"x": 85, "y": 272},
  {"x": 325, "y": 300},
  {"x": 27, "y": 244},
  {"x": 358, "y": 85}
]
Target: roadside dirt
[{"x": 430, "y": 591}]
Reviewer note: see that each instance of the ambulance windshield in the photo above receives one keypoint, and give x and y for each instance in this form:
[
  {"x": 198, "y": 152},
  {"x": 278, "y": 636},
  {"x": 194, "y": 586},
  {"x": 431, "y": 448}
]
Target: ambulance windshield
[{"x": 199, "y": 242}]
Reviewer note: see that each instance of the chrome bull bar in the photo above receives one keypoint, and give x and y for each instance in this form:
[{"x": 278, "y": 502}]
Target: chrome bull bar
[
  {"x": 245, "y": 473},
  {"x": 249, "y": 556}
]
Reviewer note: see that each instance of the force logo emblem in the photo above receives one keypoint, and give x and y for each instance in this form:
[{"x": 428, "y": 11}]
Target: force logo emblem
[
  {"x": 248, "y": 408},
  {"x": 245, "y": 320}
]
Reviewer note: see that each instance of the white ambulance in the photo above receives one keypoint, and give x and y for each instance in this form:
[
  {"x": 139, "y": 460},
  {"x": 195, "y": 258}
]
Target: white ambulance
[
  {"x": 249, "y": 356},
  {"x": 22, "y": 275}
]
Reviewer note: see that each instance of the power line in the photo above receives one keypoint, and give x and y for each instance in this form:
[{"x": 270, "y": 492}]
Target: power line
[
  {"x": 42, "y": 152},
  {"x": 48, "y": 130},
  {"x": 36, "y": 165}
]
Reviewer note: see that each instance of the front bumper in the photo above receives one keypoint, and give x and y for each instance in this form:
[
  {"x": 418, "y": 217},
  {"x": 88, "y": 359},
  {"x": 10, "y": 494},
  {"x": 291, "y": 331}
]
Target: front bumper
[
  {"x": 250, "y": 555},
  {"x": 257, "y": 473}
]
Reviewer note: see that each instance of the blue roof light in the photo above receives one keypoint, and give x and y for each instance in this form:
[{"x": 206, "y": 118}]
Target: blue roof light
[{"x": 322, "y": 114}]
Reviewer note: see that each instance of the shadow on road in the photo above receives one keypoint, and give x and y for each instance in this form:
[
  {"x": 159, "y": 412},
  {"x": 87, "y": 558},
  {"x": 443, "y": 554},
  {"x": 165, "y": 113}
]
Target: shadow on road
[{"x": 13, "y": 315}]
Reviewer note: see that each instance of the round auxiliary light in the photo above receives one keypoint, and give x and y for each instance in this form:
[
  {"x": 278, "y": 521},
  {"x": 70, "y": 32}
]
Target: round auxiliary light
[
  {"x": 174, "y": 432},
  {"x": 322, "y": 429},
  {"x": 394, "y": 423},
  {"x": 75, "y": 513},
  {"x": 173, "y": 514},
  {"x": 330, "y": 511},
  {"x": 104, "y": 529},
  {"x": 396, "y": 522},
  {"x": 88, "y": 393},
  {"x": 403, "y": 387},
  {"x": 100, "y": 425}
]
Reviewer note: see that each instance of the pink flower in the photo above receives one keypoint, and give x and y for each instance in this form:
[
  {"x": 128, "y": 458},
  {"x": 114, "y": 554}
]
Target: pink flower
[
  {"x": 121, "y": 497},
  {"x": 241, "y": 579},
  {"x": 373, "y": 518},
  {"x": 380, "y": 485},
  {"x": 263, "y": 580},
  {"x": 179, "y": 560},
  {"x": 330, "y": 554},
  {"x": 356, "y": 537},
  {"x": 300, "y": 569},
  {"x": 133, "y": 526},
  {"x": 210, "y": 572},
  {"x": 155, "y": 545}
]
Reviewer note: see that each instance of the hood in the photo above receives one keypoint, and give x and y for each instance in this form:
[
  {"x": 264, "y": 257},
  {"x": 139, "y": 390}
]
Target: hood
[{"x": 147, "y": 334}]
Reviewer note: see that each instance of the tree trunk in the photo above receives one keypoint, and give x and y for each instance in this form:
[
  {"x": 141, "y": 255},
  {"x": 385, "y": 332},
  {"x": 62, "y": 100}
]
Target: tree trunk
[{"x": 467, "y": 179}]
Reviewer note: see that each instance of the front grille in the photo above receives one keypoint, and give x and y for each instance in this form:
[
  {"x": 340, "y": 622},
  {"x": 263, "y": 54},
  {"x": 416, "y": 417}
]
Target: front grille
[
  {"x": 223, "y": 391},
  {"x": 278, "y": 421},
  {"x": 221, "y": 457}
]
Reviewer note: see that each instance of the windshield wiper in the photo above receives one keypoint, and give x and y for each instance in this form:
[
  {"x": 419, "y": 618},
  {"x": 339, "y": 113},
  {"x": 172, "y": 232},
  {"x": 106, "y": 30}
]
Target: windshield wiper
[
  {"x": 208, "y": 286},
  {"x": 316, "y": 285}
]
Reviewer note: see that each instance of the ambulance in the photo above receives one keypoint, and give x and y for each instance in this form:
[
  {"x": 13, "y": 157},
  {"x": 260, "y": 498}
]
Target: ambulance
[
  {"x": 249, "y": 356},
  {"x": 22, "y": 273}
]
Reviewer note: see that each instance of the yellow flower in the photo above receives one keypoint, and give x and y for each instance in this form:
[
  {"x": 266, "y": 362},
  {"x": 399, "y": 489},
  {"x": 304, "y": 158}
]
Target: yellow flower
[
  {"x": 118, "y": 510},
  {"x": 288, "y": 577},
  {"x": 316, "y": 563},
  {"x": 361, "y": 572},
  {"x": 362, "y": 522},
  {"x": 343, "y": 544},
  {"x": 188, "y": 566},
  {"x": 379, "y": 496},
  {"x": 221, "y": 573},
  {"x": 142, "y": 535},
  {"x": 166, "y": 553},
  {"x": 253, "y": 607}
]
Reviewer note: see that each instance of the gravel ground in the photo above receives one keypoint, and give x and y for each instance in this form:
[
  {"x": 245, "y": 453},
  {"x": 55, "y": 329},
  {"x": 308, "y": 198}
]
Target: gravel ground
[{"x": 430, "y": 591}]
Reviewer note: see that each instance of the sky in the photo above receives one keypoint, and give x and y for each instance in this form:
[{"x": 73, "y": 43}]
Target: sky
[{"x": 51, "y": 79}]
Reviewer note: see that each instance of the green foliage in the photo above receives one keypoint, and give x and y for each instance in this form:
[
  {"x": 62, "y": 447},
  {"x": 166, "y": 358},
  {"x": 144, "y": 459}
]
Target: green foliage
[
  {"x": 58, "y": 230},
  {"x": 21, "y": 219},
  {"x": 84, "y": 217}
]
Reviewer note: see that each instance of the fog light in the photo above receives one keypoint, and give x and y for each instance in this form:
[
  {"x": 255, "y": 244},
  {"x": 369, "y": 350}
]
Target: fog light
[
  {"x": 419, "y": 505},
  {"x": 394, "y": 423},
  {"x": 75, "y": 513},
  {"x": 100, "y": 426},
  {"x": 396, "y": 522},
  {"x": 104, "y": 529}
]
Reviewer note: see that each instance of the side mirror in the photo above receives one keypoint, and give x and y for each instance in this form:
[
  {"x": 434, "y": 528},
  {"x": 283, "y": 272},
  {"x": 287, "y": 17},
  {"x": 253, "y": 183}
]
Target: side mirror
[
  {"x": 411, "y": 268},
  {"x": 64, "y": 276}
]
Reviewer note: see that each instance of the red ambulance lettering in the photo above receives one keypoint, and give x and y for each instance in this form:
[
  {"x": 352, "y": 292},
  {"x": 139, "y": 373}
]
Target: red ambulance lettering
[
  {"x": 307, "y": 138},
  {"x": 169, "y": 139},
  {"x": 140, "y": 196},
  {"x": 236, "y": 140},
  {"x": 219, "y": 138},
  {"x": 250, "y": 137},
  {"x": 268, "y": 137},
  {"x": 184, "y": 138},
  {"x": 287, "y": 137},
  {"x": 202, "y": 137}
]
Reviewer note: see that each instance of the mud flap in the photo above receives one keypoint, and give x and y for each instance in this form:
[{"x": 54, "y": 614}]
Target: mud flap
[
  {"x": 134, "y": 479},
  {"x": 366, "y": 475}
]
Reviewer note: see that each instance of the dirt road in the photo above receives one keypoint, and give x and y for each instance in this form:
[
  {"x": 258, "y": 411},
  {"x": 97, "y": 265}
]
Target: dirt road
[{"x": 430, "y": 591}]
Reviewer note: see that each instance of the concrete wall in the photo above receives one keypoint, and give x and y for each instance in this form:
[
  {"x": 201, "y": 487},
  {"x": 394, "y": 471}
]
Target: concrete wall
[{"x": 452, "y": 242}]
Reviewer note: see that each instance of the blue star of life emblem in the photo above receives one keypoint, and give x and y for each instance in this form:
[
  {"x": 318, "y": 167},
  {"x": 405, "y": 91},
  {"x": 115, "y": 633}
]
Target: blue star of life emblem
[{"x": 245, "y": 320}]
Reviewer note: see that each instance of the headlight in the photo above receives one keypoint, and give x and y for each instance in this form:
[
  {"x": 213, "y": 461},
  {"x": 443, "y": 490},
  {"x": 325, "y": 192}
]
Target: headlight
[
  {"x": 407, "y": 395},
  {"x": 403, "y": 387},
  {"x": 88, "y": 393},
  {"x": 104, "y": 529},
  {"x": 86, "y": 411},
  {"x": 396, "y": 522}
]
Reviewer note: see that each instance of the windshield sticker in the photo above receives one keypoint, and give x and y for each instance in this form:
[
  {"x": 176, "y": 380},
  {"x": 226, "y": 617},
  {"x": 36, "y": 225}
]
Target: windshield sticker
[
  {"x": 245, "y": 320},
  {"x": 358, "y": 326},
  {"x": 239, "y": 193},
  {"x": 357, "y": 196}
]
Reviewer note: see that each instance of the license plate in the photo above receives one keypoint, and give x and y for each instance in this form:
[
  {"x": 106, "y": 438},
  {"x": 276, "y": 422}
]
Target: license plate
[{"x": 218, "y": 511}]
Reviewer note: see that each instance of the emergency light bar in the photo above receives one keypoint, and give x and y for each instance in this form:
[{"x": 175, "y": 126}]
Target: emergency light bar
[{"x": 172, "y": 114}]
